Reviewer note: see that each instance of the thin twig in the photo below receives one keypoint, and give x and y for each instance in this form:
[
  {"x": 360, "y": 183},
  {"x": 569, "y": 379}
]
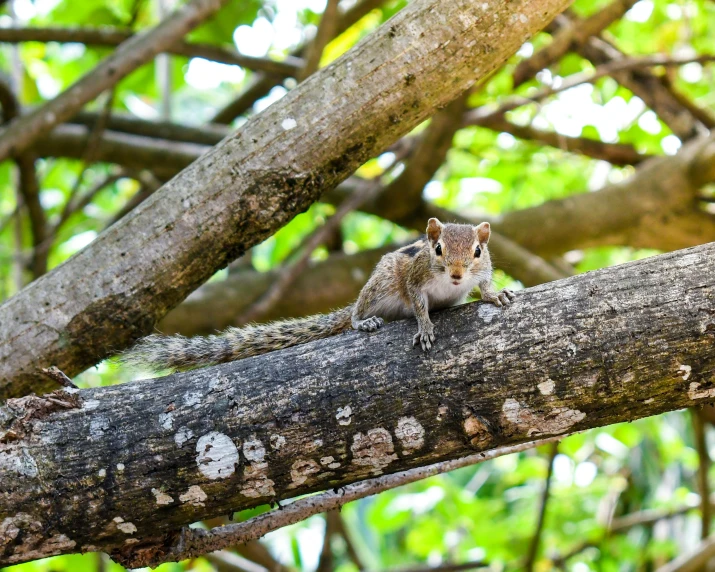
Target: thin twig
[
  {"x": 543, "y": 503},
  {"x": 262, "y": 84},
  {"x": 325, "y": 33},
  {"x": 349, "y": 544},
  {"x": 573, "y": 34},
  {"x": 325, "y": 563},
  {"x": 478, "y": 115},
  {"x": 56, "y": 374},
  {"x": 112, "y": 37},
  {"x": 703, "y": 469},
  {"x": 193, "y": 542},
  {"x": 264, "y": 304}
]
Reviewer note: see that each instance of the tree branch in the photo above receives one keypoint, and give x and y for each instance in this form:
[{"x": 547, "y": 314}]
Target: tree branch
[
  {"x": 262, "y": 84},
  {"x": 703, "y": 469},
  {"x": 251, "y": 184},
  {"x": 614, "y": 153},
  {"x": 149, "y": 457},
  {"x": 325, "y": 33},
  {"x": 112, "y": 37},
  {"x": 571, "y": 36},
  {"x": 533, "y": 549},
  {"x": 22, "y": 132}
]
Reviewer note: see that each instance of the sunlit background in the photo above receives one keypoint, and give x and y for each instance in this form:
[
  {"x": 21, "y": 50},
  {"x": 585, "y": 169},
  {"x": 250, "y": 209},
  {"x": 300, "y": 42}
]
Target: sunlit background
[{"x": 484, "y": 513}]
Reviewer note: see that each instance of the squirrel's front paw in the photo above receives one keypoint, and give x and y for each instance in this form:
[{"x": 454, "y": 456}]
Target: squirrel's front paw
[
  {"x": 371, "y": 324},
  {"x": 425, "y": 338},
  {"x": 502, "y": 298}
]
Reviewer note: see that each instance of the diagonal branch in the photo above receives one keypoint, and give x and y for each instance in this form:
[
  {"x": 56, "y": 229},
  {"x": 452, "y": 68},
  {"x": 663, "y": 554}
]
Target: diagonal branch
[
  {"x": 22, "y": 132},
  {"x": 255, "y": 181},
  {"x": 543, "y": 503},
  {"x": 113, "y": 37},
  {"x": 262, "y": 84},
  {"x": 325, "y": 33},
  {"x": 571, "y": 36}
]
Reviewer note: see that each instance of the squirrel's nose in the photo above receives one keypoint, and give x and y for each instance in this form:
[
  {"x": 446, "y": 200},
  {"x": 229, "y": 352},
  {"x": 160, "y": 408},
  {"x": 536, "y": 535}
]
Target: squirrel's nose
[{"x": 456, "y": 276}]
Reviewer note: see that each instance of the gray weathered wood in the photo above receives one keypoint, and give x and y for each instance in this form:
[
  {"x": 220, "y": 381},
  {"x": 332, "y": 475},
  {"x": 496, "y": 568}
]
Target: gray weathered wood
[
  {"x": 121, "y": 468},
  {"x": 255, "y": 181}
]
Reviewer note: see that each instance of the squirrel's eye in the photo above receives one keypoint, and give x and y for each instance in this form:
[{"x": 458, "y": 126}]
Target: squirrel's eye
[
  {"x": 477, "y": 252},
  {"x": 438, "y": 249}
]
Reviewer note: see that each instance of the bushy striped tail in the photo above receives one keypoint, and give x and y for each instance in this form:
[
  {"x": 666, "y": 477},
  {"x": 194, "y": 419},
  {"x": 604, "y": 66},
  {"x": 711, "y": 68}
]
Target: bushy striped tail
[{"x": 157, "y": 352}]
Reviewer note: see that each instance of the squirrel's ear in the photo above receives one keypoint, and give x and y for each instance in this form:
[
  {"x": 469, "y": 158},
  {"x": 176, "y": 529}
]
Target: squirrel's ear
[
  {"x": 434, "y": 229},
  {"x": 484, "y": 231}
]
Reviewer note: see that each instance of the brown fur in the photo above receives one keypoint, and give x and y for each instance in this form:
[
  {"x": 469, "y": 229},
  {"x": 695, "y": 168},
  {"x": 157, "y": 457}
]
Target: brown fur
[{"x": 409, "y": 282}]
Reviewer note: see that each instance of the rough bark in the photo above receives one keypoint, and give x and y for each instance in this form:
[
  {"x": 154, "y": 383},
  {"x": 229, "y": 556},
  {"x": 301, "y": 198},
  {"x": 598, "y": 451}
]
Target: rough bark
[
  {"x": 121, "y": 468},
  {"x": 255, "y": 181}
]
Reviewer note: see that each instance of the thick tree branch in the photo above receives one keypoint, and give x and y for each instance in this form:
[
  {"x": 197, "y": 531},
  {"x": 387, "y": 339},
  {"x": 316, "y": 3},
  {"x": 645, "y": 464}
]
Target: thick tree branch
[
  {"x": 91, "y": 470},
  {"x": 255, "y": 181},
  {"x": 22, "y": 132}
]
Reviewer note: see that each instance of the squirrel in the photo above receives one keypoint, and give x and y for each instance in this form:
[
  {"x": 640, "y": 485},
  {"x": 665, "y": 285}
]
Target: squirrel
[{"x": 435, "y": 272}]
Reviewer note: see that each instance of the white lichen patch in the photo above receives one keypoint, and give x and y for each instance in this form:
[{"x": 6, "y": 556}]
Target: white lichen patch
[
  {"x": 120, "y": 467},
  {"x": 195, "y": 496},
  {"x": 344, "y": 415},
  {"x": 18, "y": 462},
  {"x": 257, "y": 483},
  {"x": 217, "y": 456},
  {"x": 166, "y": 420},
  {"x": 90, "y": 405},
  {"x": 102, "y": 473},
  {"x": 532, "y": 424},
  {"x": 182, "y": 436},
  {"x": 373, "y": 449},
  {"x": 253, "y": 450},
  {"x": 277, "y": 441},
  {"x": 488, "y": 312},
  {"x": 546, "y": 387},
  {"x": 162, "y": 499},
  {"x": 685, "y": 370},
  {"x": 301, "y": 471},
  {"x": 442, "y": 412},
  {"x": 127, "y": 527},
  {"x": 695, "y": 393},
  {"x": 289, "y": 123},
  {"x": 192, "y": 398},
  {"x": 329, "y": 462},
  {"x": 410, "y": 433}
]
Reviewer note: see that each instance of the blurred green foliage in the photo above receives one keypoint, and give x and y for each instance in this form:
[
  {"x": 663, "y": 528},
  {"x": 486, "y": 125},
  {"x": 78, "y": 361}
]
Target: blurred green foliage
[{"x": 486, "y": 512}]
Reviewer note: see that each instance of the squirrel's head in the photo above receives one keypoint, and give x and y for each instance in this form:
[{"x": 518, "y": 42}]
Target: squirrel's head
[{"x": 459, "y": 249}]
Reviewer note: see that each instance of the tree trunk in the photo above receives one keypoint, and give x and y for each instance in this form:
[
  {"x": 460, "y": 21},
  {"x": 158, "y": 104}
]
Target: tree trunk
[
  {"x": 121, "y": 468},
  {"x": 255, "y": 181}
]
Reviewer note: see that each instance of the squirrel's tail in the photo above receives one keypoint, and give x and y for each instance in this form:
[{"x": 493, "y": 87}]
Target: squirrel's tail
[{"x": 157, "y": 352}]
